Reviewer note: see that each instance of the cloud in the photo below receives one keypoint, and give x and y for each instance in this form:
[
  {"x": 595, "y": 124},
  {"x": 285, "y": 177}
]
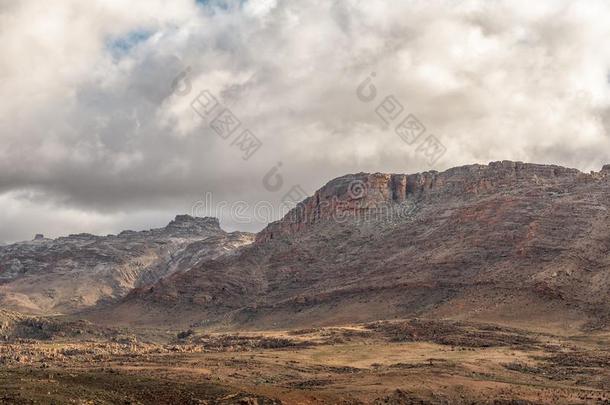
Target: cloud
[{"x": 90, "y": 127}]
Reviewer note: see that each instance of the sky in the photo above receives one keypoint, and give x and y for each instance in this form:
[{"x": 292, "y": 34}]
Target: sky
[{"x": 121, "y": 114}]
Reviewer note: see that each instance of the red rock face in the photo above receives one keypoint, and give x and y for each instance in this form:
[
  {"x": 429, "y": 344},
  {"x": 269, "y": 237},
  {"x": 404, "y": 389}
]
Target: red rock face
[
  {"x": 349, "y": 196},
  {"x": 355, "y": 195}
]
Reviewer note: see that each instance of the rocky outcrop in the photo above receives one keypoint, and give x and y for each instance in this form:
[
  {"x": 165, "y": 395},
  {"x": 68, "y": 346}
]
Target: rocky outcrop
[
  {"x": 72, "y": 273},
  {"x": 363, "y": 194}
]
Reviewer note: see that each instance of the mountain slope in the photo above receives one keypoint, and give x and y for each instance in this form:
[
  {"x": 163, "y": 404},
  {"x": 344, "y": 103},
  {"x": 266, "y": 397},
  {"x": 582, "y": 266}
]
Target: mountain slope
[
  {"x": 72, "y": 273},
  {"x": 506, "y": 242}
]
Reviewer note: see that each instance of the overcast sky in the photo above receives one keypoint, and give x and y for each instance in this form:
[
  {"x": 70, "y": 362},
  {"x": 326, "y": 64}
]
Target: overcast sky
[{"x": 97, "y": 135}]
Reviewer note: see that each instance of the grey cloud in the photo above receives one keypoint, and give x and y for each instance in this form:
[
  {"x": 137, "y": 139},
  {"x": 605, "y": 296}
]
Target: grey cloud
[{"x": 99, "y": 137}]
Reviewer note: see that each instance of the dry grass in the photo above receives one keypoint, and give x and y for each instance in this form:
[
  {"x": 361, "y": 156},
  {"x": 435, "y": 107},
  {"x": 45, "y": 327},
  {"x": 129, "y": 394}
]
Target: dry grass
[{"x": 353, "y": 364}]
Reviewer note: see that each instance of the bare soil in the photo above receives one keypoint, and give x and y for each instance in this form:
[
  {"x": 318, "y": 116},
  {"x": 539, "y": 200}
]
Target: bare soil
[{"x": 414, "y": 361}]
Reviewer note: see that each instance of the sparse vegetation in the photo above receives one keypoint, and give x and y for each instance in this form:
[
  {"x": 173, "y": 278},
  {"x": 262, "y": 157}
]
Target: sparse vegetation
[{"x": 377, "y": 363}]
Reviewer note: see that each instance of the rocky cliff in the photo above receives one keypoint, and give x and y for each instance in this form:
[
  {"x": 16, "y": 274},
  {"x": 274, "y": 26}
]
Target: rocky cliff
[{"x": 365, "y": 194}]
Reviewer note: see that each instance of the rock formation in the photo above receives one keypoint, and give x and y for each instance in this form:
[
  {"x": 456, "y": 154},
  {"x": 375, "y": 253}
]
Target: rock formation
[
  {"x": 483, "y": 242},
  {"x": 78, "y": 271},
  {"x": 506, "y": 242}
]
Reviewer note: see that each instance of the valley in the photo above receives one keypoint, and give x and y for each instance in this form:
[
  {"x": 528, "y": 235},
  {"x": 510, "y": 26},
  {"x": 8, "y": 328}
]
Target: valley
[{"x": 413, "y": 361}]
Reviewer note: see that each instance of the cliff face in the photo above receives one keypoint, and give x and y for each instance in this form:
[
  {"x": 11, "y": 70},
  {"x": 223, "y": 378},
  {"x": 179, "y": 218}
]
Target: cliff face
[{"x": 361, "y": 195}]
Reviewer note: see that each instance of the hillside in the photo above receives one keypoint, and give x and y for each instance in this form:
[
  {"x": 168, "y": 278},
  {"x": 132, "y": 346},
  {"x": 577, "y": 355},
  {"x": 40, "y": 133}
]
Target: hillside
[
  {"x": 508, "y": 242},
  {"x": 72, "y": 273}
]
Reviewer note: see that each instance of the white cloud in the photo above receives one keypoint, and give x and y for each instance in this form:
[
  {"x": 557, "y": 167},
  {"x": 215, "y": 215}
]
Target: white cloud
[{"x": 87, "y": 117}]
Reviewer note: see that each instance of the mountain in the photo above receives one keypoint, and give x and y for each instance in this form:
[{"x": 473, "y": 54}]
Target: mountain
[
  {"x": 509, "y": 242},
  {"x": 72, "y": 273}
]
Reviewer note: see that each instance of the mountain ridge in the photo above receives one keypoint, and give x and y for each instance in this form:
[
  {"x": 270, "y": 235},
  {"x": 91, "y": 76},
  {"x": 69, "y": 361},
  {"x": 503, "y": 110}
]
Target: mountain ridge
[
  {"x": 385, "y": 188},
  {"x": 475, "y": 242},
  {"x": 74, "y": 272}
]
